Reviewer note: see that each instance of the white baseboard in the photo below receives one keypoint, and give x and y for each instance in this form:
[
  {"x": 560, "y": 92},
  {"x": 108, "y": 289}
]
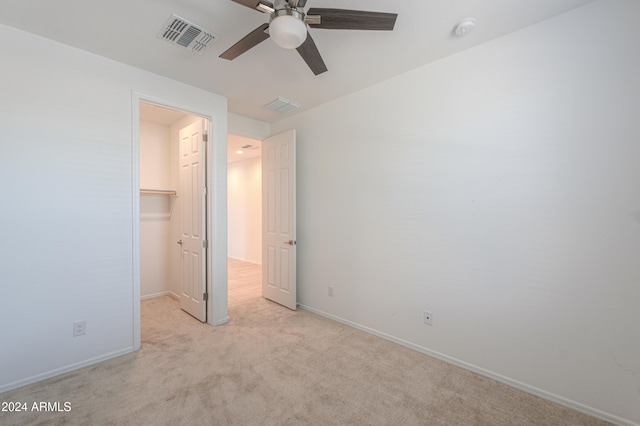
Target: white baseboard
[
  {"x": 222, "y": 321},
  {"x": 163, "y": 293},
  {"x": 65, "y": 369},
  {"x": 245, "y": 260},
  {"x": 500, "y": 378}
]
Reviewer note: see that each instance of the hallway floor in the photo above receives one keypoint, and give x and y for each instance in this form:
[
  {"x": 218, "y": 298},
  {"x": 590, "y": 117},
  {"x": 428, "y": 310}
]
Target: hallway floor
[{"x": 245, "y": 281}]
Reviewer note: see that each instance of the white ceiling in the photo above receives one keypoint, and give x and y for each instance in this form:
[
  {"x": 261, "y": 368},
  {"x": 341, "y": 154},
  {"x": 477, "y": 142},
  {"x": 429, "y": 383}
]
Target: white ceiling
[
  {"x": 125, "y": 30},
  {"x": 241, "y": 148}
]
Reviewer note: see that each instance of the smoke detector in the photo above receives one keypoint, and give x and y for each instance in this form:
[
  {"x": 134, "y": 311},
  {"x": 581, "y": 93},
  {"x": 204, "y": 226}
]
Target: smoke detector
[
  {"x": 186, "y": 34},
  {"x": 464, "y": 27}
]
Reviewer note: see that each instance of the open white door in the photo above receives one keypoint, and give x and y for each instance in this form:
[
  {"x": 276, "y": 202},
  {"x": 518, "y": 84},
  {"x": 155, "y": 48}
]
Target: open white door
[
  {"x": 192, "y": 197},
  {"x": 279, "y": 219}
]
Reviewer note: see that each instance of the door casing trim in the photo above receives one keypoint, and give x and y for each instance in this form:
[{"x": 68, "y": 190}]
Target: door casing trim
[{"x": 213, "y": 316}]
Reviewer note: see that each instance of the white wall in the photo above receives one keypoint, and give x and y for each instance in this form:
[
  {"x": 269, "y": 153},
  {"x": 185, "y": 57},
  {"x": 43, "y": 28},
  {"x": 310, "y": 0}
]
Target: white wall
[
  {"x": 245, "y": 194},
  {"x": 155, "y": 162},
  {"x": 70, "y": 190},
  {"x": 248, "y": 127},
  {"x": 155, "y": 210},
  {"x": 500, "y": 189},
  {"x": 245, "y": 210}
]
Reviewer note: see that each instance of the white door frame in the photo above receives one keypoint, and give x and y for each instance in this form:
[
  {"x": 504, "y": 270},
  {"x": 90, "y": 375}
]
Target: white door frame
[{"x": 216, "y": 278}]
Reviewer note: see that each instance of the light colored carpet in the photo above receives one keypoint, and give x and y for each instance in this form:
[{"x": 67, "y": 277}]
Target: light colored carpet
[{"x": 273, "y": 366}]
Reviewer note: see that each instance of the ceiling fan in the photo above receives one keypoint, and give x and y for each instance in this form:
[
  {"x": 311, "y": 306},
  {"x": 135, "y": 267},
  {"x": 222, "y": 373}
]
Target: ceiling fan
[{"x": 288, "y": 27}]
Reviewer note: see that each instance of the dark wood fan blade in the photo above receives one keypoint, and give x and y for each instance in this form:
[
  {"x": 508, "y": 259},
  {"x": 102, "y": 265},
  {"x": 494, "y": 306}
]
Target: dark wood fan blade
[
  {"x": 311, "y": 55},
  {"x": 253, "y": 4},
  {"x": 341, "y": 19},
  {"x": 252, "y": 39}
]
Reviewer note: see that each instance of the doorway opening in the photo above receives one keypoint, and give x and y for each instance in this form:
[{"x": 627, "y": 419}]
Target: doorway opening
[
  {"x": 244, "y": 204},
  {"x": 277, "y": 208},
  {"x": 173, "y": 215}
]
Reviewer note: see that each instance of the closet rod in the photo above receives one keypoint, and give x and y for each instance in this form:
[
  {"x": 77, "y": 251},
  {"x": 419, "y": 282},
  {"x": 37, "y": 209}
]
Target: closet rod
[{"x": 158, "y": 192}]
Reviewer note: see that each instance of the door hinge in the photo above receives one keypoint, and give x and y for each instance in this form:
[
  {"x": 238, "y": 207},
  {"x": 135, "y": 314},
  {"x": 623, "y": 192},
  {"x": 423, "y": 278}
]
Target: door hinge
[
  {"x": 205, "y": 243},
  {"x": 205, "y": 297},
  {"x": 205, "y": 137}
]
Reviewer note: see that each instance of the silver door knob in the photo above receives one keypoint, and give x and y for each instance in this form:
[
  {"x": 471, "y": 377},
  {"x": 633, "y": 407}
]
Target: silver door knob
[
  {"x": 291, "y": 242},
  {"x": 180, "y": 242}
]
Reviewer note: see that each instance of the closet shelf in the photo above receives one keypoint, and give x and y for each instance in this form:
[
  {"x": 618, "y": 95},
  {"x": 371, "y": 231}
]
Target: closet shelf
[{"x": 159, "y": 192}]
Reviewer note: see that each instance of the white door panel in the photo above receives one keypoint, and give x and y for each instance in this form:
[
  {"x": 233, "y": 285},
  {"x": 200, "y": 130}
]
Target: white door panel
[
  {"x": 279, "y": 219},
  {"x": 192, "y": 198}
]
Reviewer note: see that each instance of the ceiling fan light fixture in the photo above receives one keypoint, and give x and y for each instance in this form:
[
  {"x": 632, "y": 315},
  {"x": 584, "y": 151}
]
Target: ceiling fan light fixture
[{"x": 287, "y": 30}]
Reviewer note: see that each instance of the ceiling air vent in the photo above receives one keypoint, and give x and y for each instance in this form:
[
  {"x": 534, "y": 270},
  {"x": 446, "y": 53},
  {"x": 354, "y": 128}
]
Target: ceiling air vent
[
  {"x": 281, "y": 105},
  {"x": 179, "y": 31},
  {"x": 250, "y": 147}
]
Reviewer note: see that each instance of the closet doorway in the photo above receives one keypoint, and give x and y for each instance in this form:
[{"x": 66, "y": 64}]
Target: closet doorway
[{"x": 173, "y": 207}]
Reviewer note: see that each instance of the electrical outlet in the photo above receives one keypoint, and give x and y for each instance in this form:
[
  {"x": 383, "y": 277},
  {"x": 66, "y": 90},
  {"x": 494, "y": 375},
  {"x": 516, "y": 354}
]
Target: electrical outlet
[
  {"x": 330, "y": 291},
  {"x": 428, "y": 318},
  {"x": 79, "y": 328}
]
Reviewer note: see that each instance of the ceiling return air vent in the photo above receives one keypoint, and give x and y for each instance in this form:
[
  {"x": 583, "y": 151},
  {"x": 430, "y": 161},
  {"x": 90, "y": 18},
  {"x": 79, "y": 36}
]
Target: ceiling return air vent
[
  {"x": 179, "y": 31},
  {"x": 281, "y": 105}
]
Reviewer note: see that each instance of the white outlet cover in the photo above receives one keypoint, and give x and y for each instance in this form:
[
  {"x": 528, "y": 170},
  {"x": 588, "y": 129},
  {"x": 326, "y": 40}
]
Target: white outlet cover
[{"x": 79, "y": 328}]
